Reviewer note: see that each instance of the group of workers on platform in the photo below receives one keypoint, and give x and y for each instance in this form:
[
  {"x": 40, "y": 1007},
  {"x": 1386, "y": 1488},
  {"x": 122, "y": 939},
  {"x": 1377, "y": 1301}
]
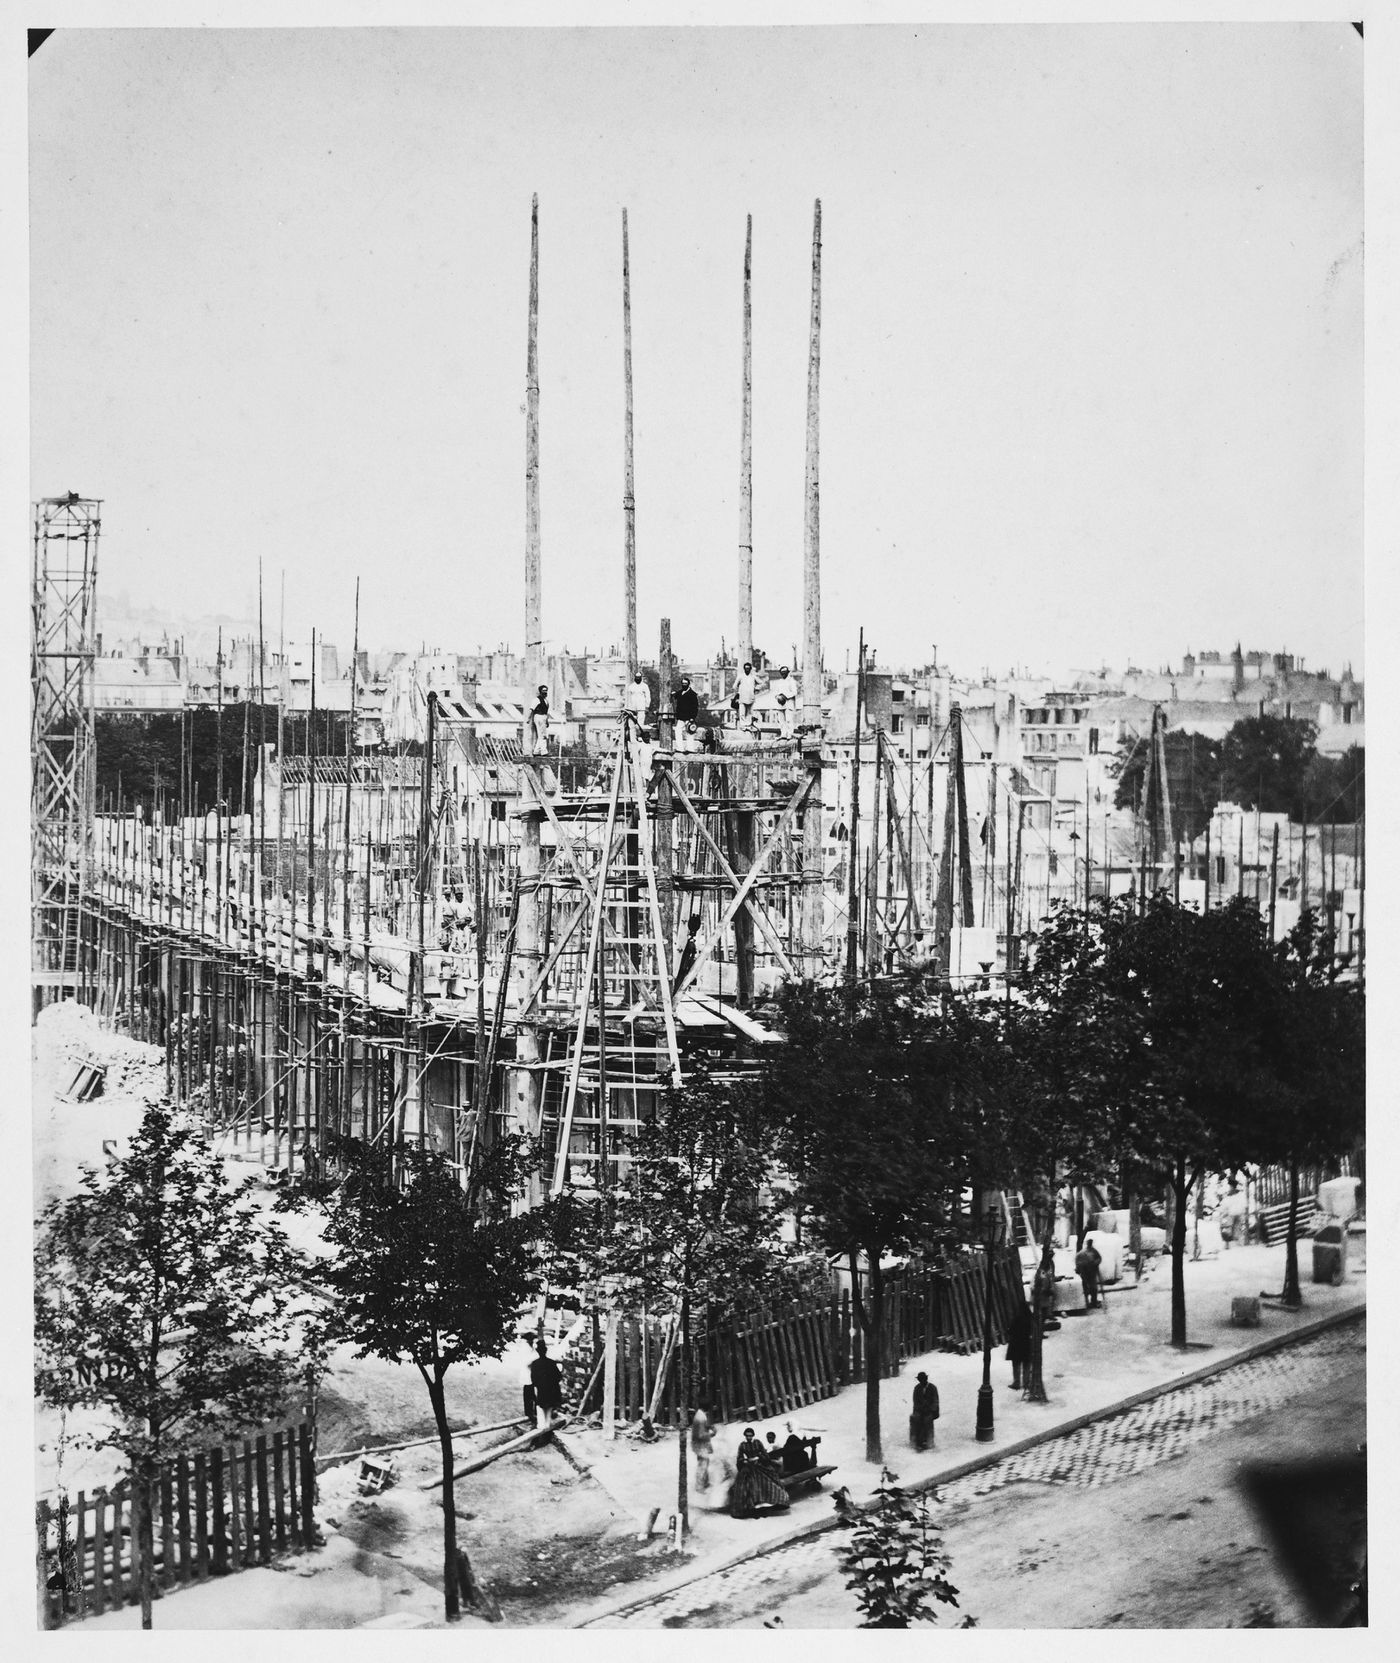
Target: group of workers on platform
[{"x": 636, "y": 705}]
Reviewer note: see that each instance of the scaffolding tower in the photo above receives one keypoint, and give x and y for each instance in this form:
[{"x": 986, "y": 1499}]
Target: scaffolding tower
[{"x": 62, "y": 651}]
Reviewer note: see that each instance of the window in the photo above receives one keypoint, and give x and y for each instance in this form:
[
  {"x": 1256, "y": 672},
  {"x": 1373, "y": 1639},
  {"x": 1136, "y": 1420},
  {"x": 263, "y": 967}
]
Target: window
[
  {"x": 897, "y": 724},
  {"x": 1093, "y": 741},
  {"x": 1346, "y": 712}
]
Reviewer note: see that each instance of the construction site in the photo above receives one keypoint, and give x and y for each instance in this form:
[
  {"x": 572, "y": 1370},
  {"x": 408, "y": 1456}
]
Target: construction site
[{"x": 492, "y": 931}]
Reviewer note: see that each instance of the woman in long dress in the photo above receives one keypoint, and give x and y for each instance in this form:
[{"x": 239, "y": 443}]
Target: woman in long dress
[{"x": 755, "y": 1483}]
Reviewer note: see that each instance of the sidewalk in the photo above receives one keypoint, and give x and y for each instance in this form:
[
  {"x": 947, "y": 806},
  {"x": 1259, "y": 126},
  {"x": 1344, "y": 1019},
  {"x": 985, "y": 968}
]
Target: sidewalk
[{"x": 1094, "y": 1361}]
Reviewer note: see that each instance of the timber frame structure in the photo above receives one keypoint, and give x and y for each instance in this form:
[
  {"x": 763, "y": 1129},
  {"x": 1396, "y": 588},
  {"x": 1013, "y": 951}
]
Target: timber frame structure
[
  {"x": 290, "y": 1032},
  {"x": 62, "y": 652}
]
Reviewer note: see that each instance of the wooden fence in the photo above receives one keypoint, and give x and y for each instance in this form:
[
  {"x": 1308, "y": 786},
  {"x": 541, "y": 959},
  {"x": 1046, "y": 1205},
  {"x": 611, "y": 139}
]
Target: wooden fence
[
  {"x": 216, "y": 1512},
  {"x": 784, "y": 1354}
]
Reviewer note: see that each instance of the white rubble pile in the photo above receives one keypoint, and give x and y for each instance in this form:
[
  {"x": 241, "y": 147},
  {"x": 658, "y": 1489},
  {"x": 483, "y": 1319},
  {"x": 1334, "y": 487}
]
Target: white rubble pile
[{"x": 68, "y": 1034}]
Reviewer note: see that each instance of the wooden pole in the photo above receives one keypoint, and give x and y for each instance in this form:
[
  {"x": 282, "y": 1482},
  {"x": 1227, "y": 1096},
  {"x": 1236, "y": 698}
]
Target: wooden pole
[
  {"x": 853, "y": 841},
  {"x": 1273, "y": 884},
  {"x": 746, "y": 466},
  {"x": 311, "y": 811},
  {"x": 665, "y": 878},
  {"x": 533, "y": 625},
  {"x": 349, "y": 776},
  {"x": 219, "y": 791},
  {"x": 629, "y": 505},
  {"x": 527, "y": 1083},
  {"x": 812, "y": 838}
]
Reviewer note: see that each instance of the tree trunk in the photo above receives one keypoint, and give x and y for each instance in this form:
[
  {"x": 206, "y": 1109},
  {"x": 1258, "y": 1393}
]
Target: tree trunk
[
  {"x": 871, "y": 1324},
  {"x": 683, "y": 1420},
  {"x": 1180, "y": 1189},
  {"x": 1292, "y": 1290},
  {"x": 449, "y": 1501},
  {"x": 143, "y": 1482}
]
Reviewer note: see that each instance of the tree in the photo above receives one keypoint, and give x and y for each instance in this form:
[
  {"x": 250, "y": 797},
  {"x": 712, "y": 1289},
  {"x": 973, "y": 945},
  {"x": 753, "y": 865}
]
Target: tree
[
  {"x": 882, "y": 1128},
  {"x": 165, "y": 1302},
  {"x": 1066, "y": 1043},
  {"x": 1319, "y": 1044},
  {"x": 893, "y": 1561},
  {"x": 695, "y": 1217},
  {"x": 430, "y": 1272},
  {"x": 1197, "y": 996},
  {"x": 1264, "y": 761},
  {"x": 1334, "y": 788},
  {"x": 1193, "y": 778}
]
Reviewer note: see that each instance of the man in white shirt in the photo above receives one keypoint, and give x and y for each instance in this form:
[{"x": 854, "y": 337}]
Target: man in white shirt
[
  {"x": 746, "y": 690},
  {"x": 785, "y": 688},
  {"x": 636, "y": 701}
]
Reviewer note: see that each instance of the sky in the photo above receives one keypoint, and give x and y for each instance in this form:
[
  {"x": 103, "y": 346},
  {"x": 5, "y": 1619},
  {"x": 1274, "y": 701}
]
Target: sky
[{"x": 1091, "y": 375}]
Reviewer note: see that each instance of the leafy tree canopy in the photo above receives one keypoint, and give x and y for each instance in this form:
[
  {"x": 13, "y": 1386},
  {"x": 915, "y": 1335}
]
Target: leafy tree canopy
[{"x": 1193, "y": 778}]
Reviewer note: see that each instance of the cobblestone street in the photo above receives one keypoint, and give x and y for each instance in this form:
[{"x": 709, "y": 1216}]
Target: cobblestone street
[{"x": 1166, "y": 1428}]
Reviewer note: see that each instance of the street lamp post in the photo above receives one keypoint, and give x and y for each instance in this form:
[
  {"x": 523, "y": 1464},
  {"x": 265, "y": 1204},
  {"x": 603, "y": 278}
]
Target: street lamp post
[{"x": 986, "y": 1423}]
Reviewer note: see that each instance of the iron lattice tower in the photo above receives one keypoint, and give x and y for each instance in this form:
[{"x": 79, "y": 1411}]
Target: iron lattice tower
[{"x": 63, "y": 645}]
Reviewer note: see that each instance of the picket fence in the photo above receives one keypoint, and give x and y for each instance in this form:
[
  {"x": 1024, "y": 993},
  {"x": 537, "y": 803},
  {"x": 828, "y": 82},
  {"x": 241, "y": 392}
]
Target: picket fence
[
  {"x": 219, "y": 1511},
  {"x": 781, "y": 1355}
]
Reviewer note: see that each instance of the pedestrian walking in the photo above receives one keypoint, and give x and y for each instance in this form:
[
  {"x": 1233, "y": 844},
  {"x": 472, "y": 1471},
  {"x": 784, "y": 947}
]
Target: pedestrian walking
[
  {"x": 548, "y": 1381},
  {"x": 1087, "y": 1262},
  {"x": 1018, "y": 1347},
  {"x": 702, "y": 1445},
  {"x": 925, "y": 1413}
]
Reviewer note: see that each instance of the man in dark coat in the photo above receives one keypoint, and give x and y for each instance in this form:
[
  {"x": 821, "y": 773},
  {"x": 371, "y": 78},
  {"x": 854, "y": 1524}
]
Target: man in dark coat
[
  {"x": 925, "y": 1413},
  {"x": 1018, "y": 1348},
  {"x": 1087, "y": 1262},
  {"x": 687, "y": 702},
  {"x": 548, "y": 1382}
]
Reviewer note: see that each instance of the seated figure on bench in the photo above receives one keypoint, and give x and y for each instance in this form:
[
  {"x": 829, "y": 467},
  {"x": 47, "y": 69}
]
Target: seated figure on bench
[
  {"x": 756, "y": 1483},
  {"x": 798, "y": 1454}
]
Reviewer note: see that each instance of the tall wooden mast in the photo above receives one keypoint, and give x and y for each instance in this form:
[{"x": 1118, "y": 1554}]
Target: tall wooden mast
[
  {"x": 812, "y": 833},
  {"x": 629, "y": 501},
  {"x": 746, "y": 465}
]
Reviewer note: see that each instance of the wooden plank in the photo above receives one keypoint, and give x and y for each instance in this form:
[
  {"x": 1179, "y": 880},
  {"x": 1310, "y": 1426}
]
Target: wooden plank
[
  {"x": 48, "y": 1616},
  {"x": 167, "y": 1528},
  {"x": 306, "y": 1483},
  {"x": 797, "y": 1377},
  {"x": 723, "y": 1374},
  {"x": 279, "y": 1487},
  {"x": 235, "y": 1508},
  {"x": 182, "y": 1495},
  {"x": 801, "y": 1345},
  {"x": 293, "y": 1488},
  {"x": 119, "y": 1506},
  {"x": 610, "y": 1344},
  {"x": 819, "y": 1328},
  {"x": 801, "y": 1377},
  {"x": 264, "y": 1516},
  {"x": 631, "y": 1370},
  {"x": 767, "y": 1367},
  {"x": 201, "y": 1517},
  {"x": 80, "y": 1555},
  {"x": 218, "y": 1525},
  {"x": 250, "y": 1542},
  {"x": 743, "y": 1367},
  {"x": 99, "y": 1551}
]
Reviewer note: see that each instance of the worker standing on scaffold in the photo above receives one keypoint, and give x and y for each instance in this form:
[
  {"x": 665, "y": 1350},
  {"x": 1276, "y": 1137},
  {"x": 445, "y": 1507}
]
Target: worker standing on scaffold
[
  {"x": 636, "y": 703},
  {"x": 539, "y": 723}
]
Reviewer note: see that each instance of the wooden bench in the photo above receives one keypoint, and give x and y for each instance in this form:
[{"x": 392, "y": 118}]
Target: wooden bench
[{"x": 797, "y": 1483}]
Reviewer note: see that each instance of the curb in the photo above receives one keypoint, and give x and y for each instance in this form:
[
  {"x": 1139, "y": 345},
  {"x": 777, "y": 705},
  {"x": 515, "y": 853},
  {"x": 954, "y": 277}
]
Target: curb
[{"x": 1062, "y": 1429}]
